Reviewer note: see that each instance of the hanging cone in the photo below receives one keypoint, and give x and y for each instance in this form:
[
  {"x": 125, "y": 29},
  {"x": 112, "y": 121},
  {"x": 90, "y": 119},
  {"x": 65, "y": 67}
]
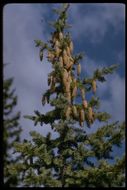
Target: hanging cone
[
  {"x": 68, "y": 51},
  {"x": 74, "y": 92},
  {"x": 50, "y": 56},
  {"x": 64, "y": 82},
  {"x": 68, "y": 112},
  {"x": 60, "y": 35},
  {"x": 57, "y": 51},
  {"x": 67, "y": 87},
  {"x": 90, "y": 113},
  {"x": 74, "y": 110},
  {"x": 69, "y": 79},
  {"x": 57, "y": 43},
  {"x": 68, "y": 65},
  {"x": 64, "y": 53},
  {"x": 68, "y": 96},
  {"x": 94, "y": 86},
  {"x": 81, "y": 117},
  {"x": 85, "y": 104},
  {"x": 83, "y": 93},
  {"x": 71, "y": 46},
  {"x": 65, "y": 73},
  {"x": 65, "y": 76},
  {"x": 78, "y": 69},
  {"x": 65, "y": 59},
  {"x": 61, "y": 61},
  {"x": 71, "y": 59}
]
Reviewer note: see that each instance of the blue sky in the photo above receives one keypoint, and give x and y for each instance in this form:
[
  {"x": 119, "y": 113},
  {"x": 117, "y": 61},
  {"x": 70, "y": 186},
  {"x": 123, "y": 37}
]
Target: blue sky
[{"x": 98, "y": 30}]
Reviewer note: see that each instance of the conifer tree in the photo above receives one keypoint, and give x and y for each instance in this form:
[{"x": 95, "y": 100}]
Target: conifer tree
[
  {"x": 74, "y": 158},
  {"x": 11, "y": 129}
]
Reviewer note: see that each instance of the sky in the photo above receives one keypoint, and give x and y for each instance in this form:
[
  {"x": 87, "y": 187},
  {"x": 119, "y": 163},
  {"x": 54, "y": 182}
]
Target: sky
[{"x": 98, "y": 30}]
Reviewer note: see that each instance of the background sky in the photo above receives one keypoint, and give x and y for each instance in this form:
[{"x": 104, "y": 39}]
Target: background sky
[{"x": 98, "y": 30}]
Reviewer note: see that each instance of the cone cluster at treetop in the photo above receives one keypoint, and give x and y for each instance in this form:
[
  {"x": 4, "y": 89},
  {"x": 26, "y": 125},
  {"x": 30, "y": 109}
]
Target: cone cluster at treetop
[{"x": 65, "y": 78}]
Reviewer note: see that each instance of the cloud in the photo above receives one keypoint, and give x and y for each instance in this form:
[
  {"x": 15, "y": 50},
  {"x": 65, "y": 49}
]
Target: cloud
[{"x": 93, "y": 20}]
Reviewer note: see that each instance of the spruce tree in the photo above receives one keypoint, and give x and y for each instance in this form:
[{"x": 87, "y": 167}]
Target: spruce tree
[
  {"x": 74, "y": 158},
  {"x": 11, "y": 129}
]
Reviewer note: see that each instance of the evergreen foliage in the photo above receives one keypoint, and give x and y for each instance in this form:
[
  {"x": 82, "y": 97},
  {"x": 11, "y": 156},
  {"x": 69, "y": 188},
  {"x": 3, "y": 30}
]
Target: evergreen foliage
[
  {"x": 75, "y": 158},
  {"x": 11, "y": 129}
]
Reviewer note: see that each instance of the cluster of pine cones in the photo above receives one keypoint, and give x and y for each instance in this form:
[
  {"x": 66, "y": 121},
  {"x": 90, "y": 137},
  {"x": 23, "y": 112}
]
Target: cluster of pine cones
[{"x": 63, "y": 55}]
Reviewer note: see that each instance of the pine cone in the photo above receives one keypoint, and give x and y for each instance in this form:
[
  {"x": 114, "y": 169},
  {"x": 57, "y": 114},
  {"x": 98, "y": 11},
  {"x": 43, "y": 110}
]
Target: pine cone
[
  {"x": 68, "y": 112},
  {"x": 65, "y": 60},
  {"x": 64, "y": 53},
  {"x": 69, "y": 79},
  {"x": 68, "y": 65},
  {"x": 50, "y": 56},
  {"x": 82, "y": 116},
  {"x": 78, "y": 69},
  {"x": 61, "y": 61},
  {"x": 94, "y": 86},
  {"x": 57, "y": 51},
  {"x": 74, "y": 110},
  {"x": 85, "y": 104},
  {"x": 57, "y": 43},
  {"x": 71, "y": 59},
  {"x": 83, "y": 93},
  {"x": 68, "y": 96},
  {"x": 65, "y": 76},
  {"x": 71, "y": 46},
  {"x": 60, "y": 36},
  {"x": 74, "y": 92},
  {"x": 67, "y": 87},
  {"x": 90, "y": 113},
  {"x": 68, "y": 51}
]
